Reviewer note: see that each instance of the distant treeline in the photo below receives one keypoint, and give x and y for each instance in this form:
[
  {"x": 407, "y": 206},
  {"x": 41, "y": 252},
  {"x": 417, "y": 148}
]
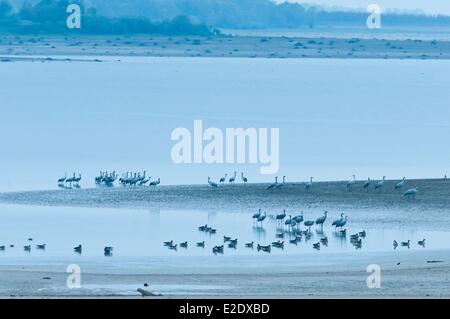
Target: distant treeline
[
  {"x": 247, "y": 14},
  {"x": 50, "y": 16},
  {"x": 186, "y": 16}
]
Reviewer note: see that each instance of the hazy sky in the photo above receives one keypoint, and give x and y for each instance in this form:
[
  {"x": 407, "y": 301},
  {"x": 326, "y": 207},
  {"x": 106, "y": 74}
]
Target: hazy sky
[{"x": 429, "y": 6}]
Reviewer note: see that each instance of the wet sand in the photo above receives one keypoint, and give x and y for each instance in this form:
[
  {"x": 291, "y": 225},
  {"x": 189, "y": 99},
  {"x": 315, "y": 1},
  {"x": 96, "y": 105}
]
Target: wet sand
[
  {"x": 429, "y": 209},
  {"x": 14, "y": 47},
  {"x": 402, "y": 275}
]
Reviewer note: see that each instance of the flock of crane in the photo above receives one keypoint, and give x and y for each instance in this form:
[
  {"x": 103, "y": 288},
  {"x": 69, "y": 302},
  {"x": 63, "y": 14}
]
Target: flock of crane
[
  {"x": 108, "y": 179},
  {"x": 351, "y": 184}
]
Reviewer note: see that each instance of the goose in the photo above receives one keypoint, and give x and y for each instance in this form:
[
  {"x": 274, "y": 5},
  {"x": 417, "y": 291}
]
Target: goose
[
  {"x": 274, "y": 184},
  {"x": 278, "y": 244},
  {"x": 223, "y": 179},
  {"x": 212, "y": 230},
  {"x": 293, "y": 241},
  {"x": 249, "y": 245},
  {"x": 201, "y": 244},
  {"x": 405, "y": 243},
  {"x": 380, "y": 184},
  {"x": 279, "y": 235},
  {"x": 203, "y": 228},
  {"x": 411, "y": 193},
  {"x": 400, "y": 184},
  {"x": 324, "y": 241},
  {"x": 395, "y": 244},
  {"x": 168, "y": 243},
  {"x": 244, "y": 179},
  {"x": 421, "y": 242},
  {"x": 232, "y": 245},
  {"x": 316, "y": 246},
  {"x": 367, "y": 184},
  {"x": 234, "y": 241},
  {"x": 2, "y": 248},
  {"x": 62, "y": 179},
  {"x": 27, "y": 248},
  {"x": 264, "y": 248},
  {"x": 321, "y": 220},
  {"x": 41, "y": 247},
  {"x": 211, "y": 183},
  {"x": 309, "y": 184},
  {"x": 108, "y": 251},
  {"x": 78, "y": 249},
  {"x": 226, "y": 238},
  {"x": 173, "y": 247},
  {"x": 232, "y": 179},
  {"x": 362, "y": 234},
  {"x": 351, "y": 182},
  {"x": 279, "y": 185},
  {"x": 218, "y": 249},
  {"x": 184, "y": 244}
]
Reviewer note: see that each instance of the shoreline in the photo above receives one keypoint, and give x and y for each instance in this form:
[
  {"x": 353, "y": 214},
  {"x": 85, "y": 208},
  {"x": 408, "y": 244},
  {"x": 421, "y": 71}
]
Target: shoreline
[
  {"x": 403, "y": 275},
  {"x": 221, "y": 46}
]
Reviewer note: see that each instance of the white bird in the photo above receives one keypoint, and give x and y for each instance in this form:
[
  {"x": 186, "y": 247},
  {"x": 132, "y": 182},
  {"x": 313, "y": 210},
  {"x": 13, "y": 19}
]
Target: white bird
[
  {"x": 232, "y": 179},
  {"x": 400, "y": 184},
  {"x": 351, "y": 182},
  {"x": 223, "y": 179},
  {"x": 367, "y": 184},
  {"x": 380, "y": 184},
  {"x": 282, "y": 183},
  {"x": 309, "y": 184},
  {"x": 244, "y": 179},
  {"x": 274, "y": 184},
  {"x": 411, "y": 192},
  {"x": 211, "y": 183}
]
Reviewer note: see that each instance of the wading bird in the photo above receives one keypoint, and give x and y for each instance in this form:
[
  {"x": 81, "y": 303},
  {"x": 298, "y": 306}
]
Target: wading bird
[
  {"x": 309, "y": 184},
  {"x": 223, "y": 179},
  {"x": 367, "y": 183},
  {"x": 400, "y": 184},
  {"x": 380, "y": 184},
  {"x": 244, "y": 179},
  {"x": 279, "y": 185},
  {"x": 274, "y": 184},
  {"x": 411, "y": 193},
  {"x": 232, "y": 179},
  {"x": 211, "y": 183},
  {"x": 321, "y": 220},
  {"x": 261, "y": 218},
  {"x": 351, "y": 183}
]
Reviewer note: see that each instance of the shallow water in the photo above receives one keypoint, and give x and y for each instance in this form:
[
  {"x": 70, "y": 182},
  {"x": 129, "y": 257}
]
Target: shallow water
[{"x": 141, "y": 233}]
